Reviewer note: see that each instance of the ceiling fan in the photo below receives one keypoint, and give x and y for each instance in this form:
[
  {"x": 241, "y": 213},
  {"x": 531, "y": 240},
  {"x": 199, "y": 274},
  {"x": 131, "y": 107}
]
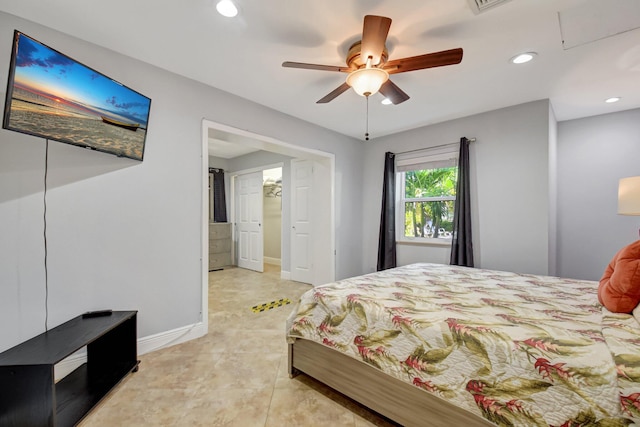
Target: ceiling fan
[{"x": 368, "y": 66}]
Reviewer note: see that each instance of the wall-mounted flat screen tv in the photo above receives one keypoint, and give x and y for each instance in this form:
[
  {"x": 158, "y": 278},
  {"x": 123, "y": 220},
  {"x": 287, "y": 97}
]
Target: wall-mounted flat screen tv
[{"x": 52, "y": 96}]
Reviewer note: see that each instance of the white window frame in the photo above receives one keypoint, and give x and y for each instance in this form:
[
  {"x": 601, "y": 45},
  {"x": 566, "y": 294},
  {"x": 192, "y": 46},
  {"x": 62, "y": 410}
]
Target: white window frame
[{"x": 430, "y": 158}]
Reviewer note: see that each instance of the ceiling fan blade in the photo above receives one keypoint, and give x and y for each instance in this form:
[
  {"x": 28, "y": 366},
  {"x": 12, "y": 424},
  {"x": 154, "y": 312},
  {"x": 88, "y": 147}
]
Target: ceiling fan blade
[
  {"x": 393, "y": 93},
  {"x": 374, "y": 36},
  {"x": 334, "y": 93},
  {"x": 420, "y": 62},
  {"x": 289, "y": 64}
]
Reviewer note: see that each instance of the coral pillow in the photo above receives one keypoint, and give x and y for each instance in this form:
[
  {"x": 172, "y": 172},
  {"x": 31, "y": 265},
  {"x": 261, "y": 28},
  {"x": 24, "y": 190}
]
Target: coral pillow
[{"x": 619, "y": 289}]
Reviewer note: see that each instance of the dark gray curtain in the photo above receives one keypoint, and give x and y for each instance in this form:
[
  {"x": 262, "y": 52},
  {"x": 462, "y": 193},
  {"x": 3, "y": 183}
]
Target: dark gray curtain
[
  {"x": 219, "y": 198},
  {"x": 387, "y": 239},
  {"x": 461, "y": 246}
]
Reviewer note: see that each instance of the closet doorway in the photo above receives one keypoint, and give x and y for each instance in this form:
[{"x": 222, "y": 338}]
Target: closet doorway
[{"x": 272, "y": 216}]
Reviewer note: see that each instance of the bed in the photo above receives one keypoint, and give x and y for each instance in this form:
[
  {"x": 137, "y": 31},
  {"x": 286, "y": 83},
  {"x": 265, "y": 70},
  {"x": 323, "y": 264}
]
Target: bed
[{"x": 430, "y": 344}]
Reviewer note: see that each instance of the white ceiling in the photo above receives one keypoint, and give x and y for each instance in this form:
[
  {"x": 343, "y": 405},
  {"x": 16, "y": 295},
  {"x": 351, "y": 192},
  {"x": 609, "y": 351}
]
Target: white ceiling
[{"x": 243, "y": 55}]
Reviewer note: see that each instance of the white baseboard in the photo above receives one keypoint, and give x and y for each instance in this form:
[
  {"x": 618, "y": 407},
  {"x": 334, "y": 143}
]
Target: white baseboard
[
  {"x": 171, "y": 338},
  {"x": 285, "y": 275},
  {"x": 272, "y": 261},
  {"x": 145, "y": 345}
]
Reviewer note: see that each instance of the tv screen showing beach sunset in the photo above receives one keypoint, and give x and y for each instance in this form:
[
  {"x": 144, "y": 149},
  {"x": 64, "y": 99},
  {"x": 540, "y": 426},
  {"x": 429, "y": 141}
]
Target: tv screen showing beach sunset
[{"x": 55, "y": 97}]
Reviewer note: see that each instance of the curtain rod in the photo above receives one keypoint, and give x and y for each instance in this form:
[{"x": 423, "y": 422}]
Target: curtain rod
[{"x": 435, "y": 146}]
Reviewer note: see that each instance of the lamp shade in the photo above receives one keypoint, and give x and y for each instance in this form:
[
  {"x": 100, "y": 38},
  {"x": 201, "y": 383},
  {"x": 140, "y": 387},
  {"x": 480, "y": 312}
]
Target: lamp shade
[
  {"x": 629, "y": 196},
  {"x": 367, "y": 81}
]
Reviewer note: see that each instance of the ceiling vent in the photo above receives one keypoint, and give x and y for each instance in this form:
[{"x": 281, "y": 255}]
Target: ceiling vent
[{"x": 479, "y": 6}]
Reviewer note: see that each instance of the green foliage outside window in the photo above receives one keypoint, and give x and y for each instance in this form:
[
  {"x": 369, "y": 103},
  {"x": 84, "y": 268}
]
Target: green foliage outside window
[{"x": 429, "y": 197}]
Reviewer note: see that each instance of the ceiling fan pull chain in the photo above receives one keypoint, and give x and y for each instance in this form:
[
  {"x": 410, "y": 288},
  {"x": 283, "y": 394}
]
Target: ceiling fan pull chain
[{"x": 366, "y": 134}]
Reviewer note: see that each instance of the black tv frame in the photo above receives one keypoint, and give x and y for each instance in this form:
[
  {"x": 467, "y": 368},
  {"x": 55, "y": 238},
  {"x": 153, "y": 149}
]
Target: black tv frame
[{"x": 110, "y": 115}]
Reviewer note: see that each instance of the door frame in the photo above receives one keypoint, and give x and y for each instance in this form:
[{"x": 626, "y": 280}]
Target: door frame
[{"x": 265, "y": 143}]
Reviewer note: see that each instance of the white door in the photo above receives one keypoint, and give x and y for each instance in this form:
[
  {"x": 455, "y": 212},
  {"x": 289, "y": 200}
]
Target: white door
[
  {"x": 301, "y": 221},
  {"x": 249, "y": 221}
]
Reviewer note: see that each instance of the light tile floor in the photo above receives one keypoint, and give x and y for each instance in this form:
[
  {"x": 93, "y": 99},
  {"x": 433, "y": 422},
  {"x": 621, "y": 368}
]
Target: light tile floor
[{"x": 236, "y": 375}]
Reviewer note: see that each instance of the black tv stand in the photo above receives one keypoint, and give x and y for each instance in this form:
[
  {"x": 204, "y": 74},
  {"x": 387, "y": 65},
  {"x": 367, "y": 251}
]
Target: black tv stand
[{"x": 28, "y": 394}]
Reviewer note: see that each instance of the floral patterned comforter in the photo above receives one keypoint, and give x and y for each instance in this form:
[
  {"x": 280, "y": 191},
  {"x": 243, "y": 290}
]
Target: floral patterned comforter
[{"x": 517, "y": 349}]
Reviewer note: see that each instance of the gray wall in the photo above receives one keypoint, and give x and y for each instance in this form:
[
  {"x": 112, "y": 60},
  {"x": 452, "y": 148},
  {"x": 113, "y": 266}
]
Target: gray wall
[
  {"x": 219, "y": 163},
  {"x": 257, "y": 159},
  {"x": 593, "y": 154},
  {"x": 124, "y": 234},
  {"x": 510, "y": 188}
]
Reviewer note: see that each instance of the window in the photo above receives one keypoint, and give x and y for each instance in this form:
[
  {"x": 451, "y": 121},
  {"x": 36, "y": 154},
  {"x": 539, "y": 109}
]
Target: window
[{"x": 427, "y": 193}]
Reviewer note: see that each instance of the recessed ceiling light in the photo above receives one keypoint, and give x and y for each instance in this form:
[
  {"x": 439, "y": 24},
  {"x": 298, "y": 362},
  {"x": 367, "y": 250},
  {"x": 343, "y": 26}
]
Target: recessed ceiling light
[
  {"x": 227, "y": 8},
  {"x": 386, "y": 101},
  {"x": 612, "y": 100},
  {"x": 523, "y": 57}
]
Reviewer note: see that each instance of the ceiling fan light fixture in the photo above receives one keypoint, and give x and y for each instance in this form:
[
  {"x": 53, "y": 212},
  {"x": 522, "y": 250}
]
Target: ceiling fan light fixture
[
  {"x": 227, "y": 8},
  {"x": 523, "y": 58},
  {"x": 366, "y": 78},
  {"x": 367, "y": 81},
  {"x": 386, "y": 101}
]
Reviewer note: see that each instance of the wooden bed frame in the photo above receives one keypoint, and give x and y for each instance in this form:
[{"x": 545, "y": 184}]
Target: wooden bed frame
[{"x": 396, "y": 400}]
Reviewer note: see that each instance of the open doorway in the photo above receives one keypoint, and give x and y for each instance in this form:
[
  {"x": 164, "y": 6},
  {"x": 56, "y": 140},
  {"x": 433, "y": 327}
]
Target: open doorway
[
  {"x": 320, "y": 203},
  {"x": 272, "y": 216}
]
